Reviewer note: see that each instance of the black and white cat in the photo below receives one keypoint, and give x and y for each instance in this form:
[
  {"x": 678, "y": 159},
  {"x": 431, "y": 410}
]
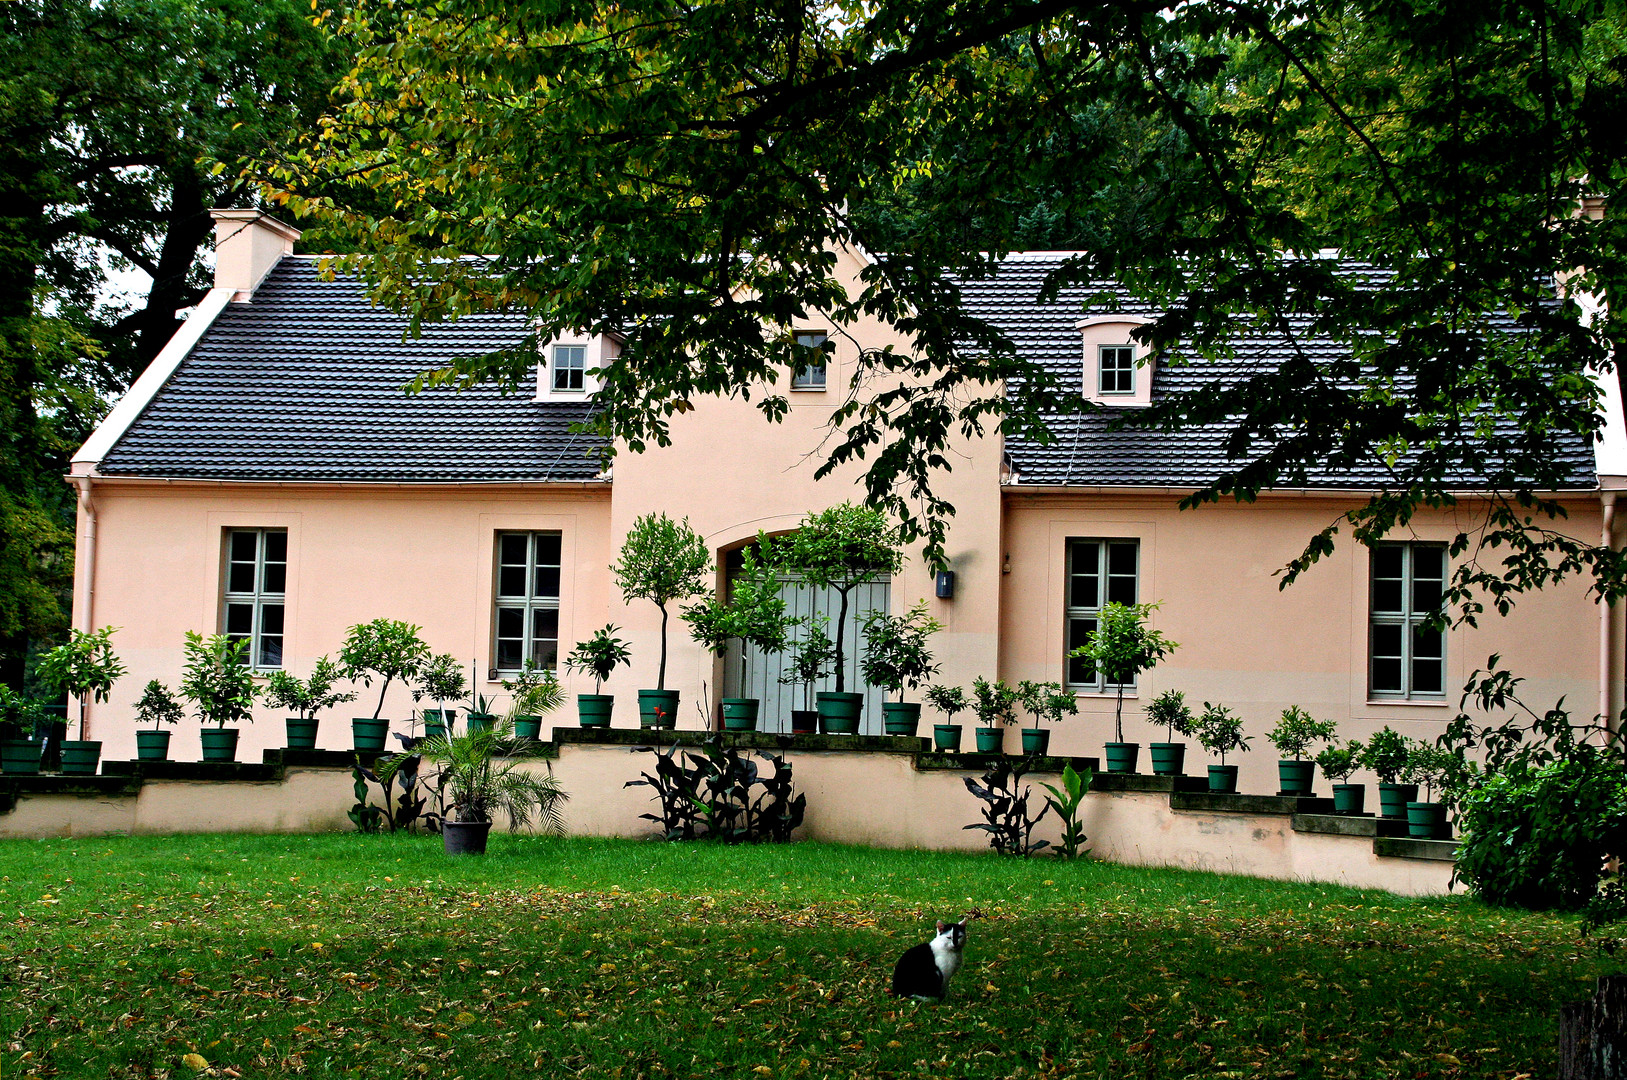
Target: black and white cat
[{"x": 925, "y": 970}]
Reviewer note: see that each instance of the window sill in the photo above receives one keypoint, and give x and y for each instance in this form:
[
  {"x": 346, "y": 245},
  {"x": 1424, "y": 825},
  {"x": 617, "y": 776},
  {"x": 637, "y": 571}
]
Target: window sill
[
  {"x": 809, "y": 389},
  {"x": 1428, "y": 703}
]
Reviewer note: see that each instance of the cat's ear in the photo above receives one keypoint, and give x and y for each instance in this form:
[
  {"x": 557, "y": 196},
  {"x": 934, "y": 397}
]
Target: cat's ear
[{"x": 942, "y": 926}]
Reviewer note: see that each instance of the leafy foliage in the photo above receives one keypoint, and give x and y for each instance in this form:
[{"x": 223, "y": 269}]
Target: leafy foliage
[
  {"x": 599, "y": 655},
  {"x": 1123, "y": 646},
  {"x": 403, "y": 809},
  {"x": 218, "y": 680},
  {"x": 710, "y": 795},
  {"x": 20, "y": 717},
  {"x": 753, "y": 612},
  {"x": 1220, "y": 731},
  {"x": 1065, "y": 801},
  {"x": 1338, "y": 762},
  {"x": 1438, "y": 769},
  {"x": 1047, "y": 701},
  {"x": 839, "y": 548},
  {"x": 157, "y": 706},
  {"x": 308, "y": 697},
  {"x": 1386, "y": 753},
  {"x": 387, "y": 648},
  {"x": 440, "y": 679},
  {"x": 1170, "y": 710},
  {"x": 995, "y": 703},
  {"x": 948, "y": 700},
  {"x": 477, "y": 775},
  {"x": 896, "y": 656},
  {"x": 662, "y": 561},
  {"x": 812, "y": 659},
  {"x": 1006, "y": 816},
  {"x": 84, "y": 665},
  {"x": 1297, "y": 731}
]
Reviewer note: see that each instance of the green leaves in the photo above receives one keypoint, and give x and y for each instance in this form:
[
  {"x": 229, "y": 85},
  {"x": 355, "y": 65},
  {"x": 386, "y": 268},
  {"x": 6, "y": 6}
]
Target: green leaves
[
  {"x": 387, "y": 648},
  {"x": 599, "y": 655},
  {"x": 217, "y": 679},
  {"x": 84, "y": 665},
  {"x": 1123, "y": 646},
  {"x": 896, "y": 653},
  {"x": 307, "y": 697},
  {"x": 1297, "y": 731}
]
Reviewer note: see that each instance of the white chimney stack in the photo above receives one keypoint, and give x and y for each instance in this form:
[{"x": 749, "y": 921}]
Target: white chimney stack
[{"x": 248, "y": 243}]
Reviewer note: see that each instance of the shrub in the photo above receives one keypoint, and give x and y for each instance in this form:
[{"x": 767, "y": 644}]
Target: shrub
[
  {"x": 948, "y": 700},
  {"x": 1123, "y": 646},
  {"x": 385, "y": 647},
  {"x": 1005, "y": 810},
  {"x": 1171, "y": 711},
  {"x": 1047, "y": 701},
  {"x": 1386, "y": 754},
  {"x": 218, "y": 680},
  {"x": 1338, "y": 762},
  {"x": 721, "y": 794},
  {"x": 306, "y": 697},
  {"x": 896, "y": 656},
  {"x": 1298, "y": 731},
  {"x": 158, "y": 706},
  {"x": 994, "y": 702},
  {"x": 839, "y": 548},
  {"x": 1220, "y": 731}
]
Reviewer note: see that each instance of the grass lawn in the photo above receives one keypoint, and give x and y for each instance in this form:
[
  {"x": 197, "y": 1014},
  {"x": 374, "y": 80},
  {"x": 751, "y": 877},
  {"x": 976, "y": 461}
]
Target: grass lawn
[{"x": 380, "y": 957}]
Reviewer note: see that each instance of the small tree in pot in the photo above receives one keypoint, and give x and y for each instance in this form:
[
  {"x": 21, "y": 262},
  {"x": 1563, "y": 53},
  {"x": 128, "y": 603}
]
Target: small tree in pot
[
  {"x": 996, "y": 706},
  {"x": 536, "y": 691},
  {"x": 1386, "y": 754},
  {"x": 1121, "y": 647},
  {"x": 20, "y": 719},
  {"x": 1295, "y": 733},
  {"x": 1337, "y": 763},
  {"x": 599, "y": 656},
  {"x": 1045, "y": 701},
  {"x": 305, "y": 699},
  {"x": 219, "y": 683},
  {"x": 1171, "y": 711},
  {"x": 1220, "y": 731},
  {"x": 896, "y": 658},
  {"x": 662, "y": 561},
  {"x": 440, "y": 679},
  {"x": 86, "y": 667},
  {"x": 390, "y": 650},
  {"x": 156, "y": 707},
  {"x": 812, "y": 659},
  {"x": 948, "y": 700},
  {"x": 1440, "y": 771},
  {"x": 753, "y": 612}
]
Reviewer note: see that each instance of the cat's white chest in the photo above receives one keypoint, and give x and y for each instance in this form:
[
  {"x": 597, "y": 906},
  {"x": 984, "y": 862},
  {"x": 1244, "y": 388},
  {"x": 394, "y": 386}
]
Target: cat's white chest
[{"x": 947, "y": 959}]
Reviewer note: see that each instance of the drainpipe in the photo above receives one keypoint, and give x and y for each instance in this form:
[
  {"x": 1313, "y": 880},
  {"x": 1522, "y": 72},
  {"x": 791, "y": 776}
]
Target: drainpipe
[
  {"x": 84, "y": 606},
  {"x": 1607, "y": 538}
]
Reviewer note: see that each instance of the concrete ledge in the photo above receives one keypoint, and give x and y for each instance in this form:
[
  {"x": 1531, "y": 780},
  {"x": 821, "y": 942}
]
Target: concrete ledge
[
  {"x": 1430, "y": 850},
  {"x": 194, "y": 770},
  {"x": 1248, "y": 804},
  {"x": 332, "y": 759},
  {"x": 740, "y": 740},
  {"x": 56, "y": 784},
  {"x": 1116, "y": 781},
  {"x": 934, "y": 762}
]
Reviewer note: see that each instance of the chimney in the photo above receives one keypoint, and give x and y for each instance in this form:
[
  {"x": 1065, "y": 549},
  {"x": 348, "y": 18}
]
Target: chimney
[{"x": 248, "y": 243}]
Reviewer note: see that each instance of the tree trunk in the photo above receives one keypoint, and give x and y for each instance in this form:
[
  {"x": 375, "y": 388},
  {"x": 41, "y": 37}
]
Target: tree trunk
[
  {"x": 1593, "y": 1034},
  {"x": 661, "y": 672},
  {"x": 841, "y": 625}
]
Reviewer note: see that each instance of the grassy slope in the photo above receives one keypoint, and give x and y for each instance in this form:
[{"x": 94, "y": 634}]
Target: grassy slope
[{"x": 378, "y": 956}]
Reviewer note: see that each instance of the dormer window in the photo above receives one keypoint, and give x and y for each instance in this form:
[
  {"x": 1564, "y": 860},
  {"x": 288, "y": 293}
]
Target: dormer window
[
  {"x": 811, "y": 376},
  {"x": 1116, "y": 369},
  {"x": 567, "y": 366},
  {"x": 570, "y": 367}
]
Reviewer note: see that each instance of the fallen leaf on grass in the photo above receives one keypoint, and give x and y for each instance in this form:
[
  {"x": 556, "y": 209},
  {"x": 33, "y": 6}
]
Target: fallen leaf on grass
[{"x": 195, "y": 1062}]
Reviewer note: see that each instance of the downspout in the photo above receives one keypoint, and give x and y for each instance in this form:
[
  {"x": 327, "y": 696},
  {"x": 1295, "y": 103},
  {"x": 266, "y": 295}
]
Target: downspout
[
  {"x": 1607, "y": 500},
  {"x": 85, "y": 600}
]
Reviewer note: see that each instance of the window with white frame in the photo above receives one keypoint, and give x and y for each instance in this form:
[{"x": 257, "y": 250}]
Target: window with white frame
[
  {"x": 527, "y": 600},
  {"x": 1406, "y": 654},
  {"x": 811, "y": 376},
  {"x": 1098, "y": 572},
  {"x": 253, "y": 592},
  {"x": 570, "y": 367},
  {"x": 1117, "y": 369}
]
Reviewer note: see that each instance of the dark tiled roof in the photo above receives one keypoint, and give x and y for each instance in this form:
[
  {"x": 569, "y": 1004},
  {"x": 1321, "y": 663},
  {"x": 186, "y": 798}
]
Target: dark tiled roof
[
  {"x": 1086, "y": 450},
  {"x": 305, "y": 384}
]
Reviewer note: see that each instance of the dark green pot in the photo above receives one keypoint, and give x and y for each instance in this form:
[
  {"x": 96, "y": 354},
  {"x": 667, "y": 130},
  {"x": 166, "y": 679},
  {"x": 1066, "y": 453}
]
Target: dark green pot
[
  {"x": 990, "y": 740},
  {"x": 481, "y": 721},
  {"x": 152, "y": 745},
  {"x": 219, "y": 744},
  {"x": 946, "y": 737},
  {"x": 434, "y": 729},
  {"x": 1393, "y": 799},
  {"x": 1427, "y": 821},
  {"x": 367, "y": 735},
  {"x": 1296, "y": 777},
  {"x": 1168, "y": 758},
  {"x": 464, "y": 837},
  {"x": 900, "y": 717},
  {"x": 1349, "y": 798},
  {"x": 740, "y": 714},
  {"x": 658, "y": 708},
  {"x": 20, "y": 757},
  {"x": 1222, "y": 779},
  {"x": 441, "y": 718},
  {"x": 804, "y": 721},
  {"x": 839, "y": 712},
  {"x": 1121, "y": 756},
  {"x": 593, "y": 710},
  {"x": 1036, "y": 740},
  {"x": 301, "y": 733},
  {"x": 527, "y": 727},
  {"x": 80, "y": 758}
]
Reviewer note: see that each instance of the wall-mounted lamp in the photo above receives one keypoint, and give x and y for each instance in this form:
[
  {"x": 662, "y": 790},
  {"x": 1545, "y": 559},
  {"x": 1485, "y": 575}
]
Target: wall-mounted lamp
[
  {"x": 946, "y": 584},
  {"x": 1005, "y": 567}
]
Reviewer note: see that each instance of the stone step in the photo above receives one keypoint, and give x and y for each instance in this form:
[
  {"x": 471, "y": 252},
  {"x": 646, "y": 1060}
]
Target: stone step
[
  {"x": 1404, "y": 848},
  {"x": 1249, "y": 804}
]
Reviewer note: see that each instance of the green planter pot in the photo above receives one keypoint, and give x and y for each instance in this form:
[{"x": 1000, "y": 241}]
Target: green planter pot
[
  {"x": 1393, "y": 799},
  {"x": 1349, "y": 798},
  {"x": 1427, "y": 821},
  {"x": 901, "y": 717},
  {"x": 1296, "y": 777},
  {"x": 658, "y": 708},
  {"x": 219, "y": 744},
  {"x": 301, "y": 733},
  {"x": 1168, "y": 758},
  {"x": 80, "y": 758},
  {"x": 434, "y": 729},
  {"x": 20, "y": 757},
  {"x": 593, "y": 710},
  {"x": 740, "y": 714},
  {"x": 1036, "y": 741},
  {"x": 481, "y": 721},
  {"x": 367, "y": 735},
  {"x": 1121, "y": 756},
  {"x": 1222, "y": 779},
  {"x": 527, "y": 727},
  {"x": 804, "y": 721},
  {"x": 439, "y": 718},
  {"x": 946, "y": 737},
  {"x": 990, "y": 740},
  {"x": 152, "y": 745},
  {"x": 839, "y": 712}
]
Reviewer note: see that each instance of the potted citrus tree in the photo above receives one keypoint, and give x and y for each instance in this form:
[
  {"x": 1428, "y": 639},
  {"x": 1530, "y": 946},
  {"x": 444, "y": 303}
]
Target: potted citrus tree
[
  {"x": 896, "y": 659},
  {"x": 754, "y": 613},
  {"x": 662, "y": 561},
  {"x": 155, "y": 708},
  {"x": 1439, "y": 771},
  {"x": 1337, "y": 764},
  {"x": 86, "y": 667},
  {"x": 1220, "y": 731},
  {"x": 1386, "y": 753},
  {"x": 995, "y": 704},
  {"x": 840, "y": 548},
  {"x": 811, "y": 660},
  {"x": 948, "y": 700},
  {"x": 220, "y": 684},
  {"x": 1295, "y": 733},
  {"x": 1170, "y": 711},
  {"x": 391, "y": 651},
  {"x": 1045, "y": 701},
  {"x": 1122, "y": 647},
  {"x": 305, "y": 698},
  {"x": 20, "y": 718},
  {"x": 598, "y": 656},
  {"x": 440, "y": 680}
]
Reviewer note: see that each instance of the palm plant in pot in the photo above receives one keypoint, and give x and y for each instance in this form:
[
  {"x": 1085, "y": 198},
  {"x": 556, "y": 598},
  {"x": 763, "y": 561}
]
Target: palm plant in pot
[
  {"x": 389, "y": 650},
  {"x": 1171, "y": 711},
  {"x": 1337, "y": 764},
  {"x": 840, "y": 548},
  {"x": 753, "y": 612},
  {"x": 155, "y": 708},
  {"x": 598, "y": 656},
  {"x": 1121, "y": 647},
  {"x": 948, "y": 700},
  {"x": 995, "y": 704},
  {"x": 86, "y": 667},
  {"x": 220, "y": 684},
  {"x": 440, "y": 680},
  {"x": 1045, "y": 701},
  {"x": 1295, "y": 733},
  {"x": 1220, "y": 731},
  {"x": 896, "y": 659},
  {"x": 1386, "y": 753},
  {"x": 812, "y": 659},
  {"x": 536, "y": 690},
  {"x": 305, "y": 698},
  {"x": 662, "y": 561}
]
